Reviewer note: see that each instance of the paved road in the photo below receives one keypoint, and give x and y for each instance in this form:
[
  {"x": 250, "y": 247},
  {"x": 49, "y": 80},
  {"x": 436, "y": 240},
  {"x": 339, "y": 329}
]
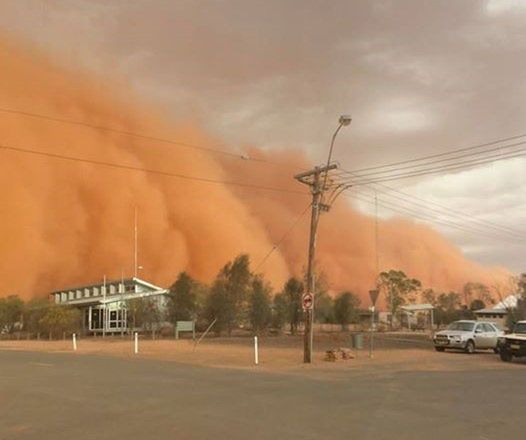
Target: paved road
[{"x": 63, "y": 396}]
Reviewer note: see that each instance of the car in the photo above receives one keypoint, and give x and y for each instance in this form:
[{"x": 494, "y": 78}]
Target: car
[
  {"x": 513, "y": 344},
  {"x": 469, "y": 336}
]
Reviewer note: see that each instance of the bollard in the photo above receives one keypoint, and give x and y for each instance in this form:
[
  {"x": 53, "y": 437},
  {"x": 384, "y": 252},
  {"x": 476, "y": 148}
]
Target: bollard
[
  {"x": 136, "y": 343},
  {"x": 74, "y": 336},
  {"x": 256, "y": 354}
]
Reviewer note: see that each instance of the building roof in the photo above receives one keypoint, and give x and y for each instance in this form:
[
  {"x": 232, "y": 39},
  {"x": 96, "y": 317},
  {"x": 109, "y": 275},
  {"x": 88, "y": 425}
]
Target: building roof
[
  {"x": 417, "y": 307},
  {"x": 492, "y": 311},
  {"x": 125, "y": 281},
  {"x": 90, "y": 298},
  {"x": 510, "y": 302}
]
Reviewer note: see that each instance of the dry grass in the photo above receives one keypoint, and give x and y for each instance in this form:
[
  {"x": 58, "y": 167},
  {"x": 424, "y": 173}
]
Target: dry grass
[{"x": 276, "y": 354}]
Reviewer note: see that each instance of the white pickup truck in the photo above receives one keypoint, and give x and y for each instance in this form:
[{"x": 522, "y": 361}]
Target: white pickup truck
[{"x": 513, "y": 344}]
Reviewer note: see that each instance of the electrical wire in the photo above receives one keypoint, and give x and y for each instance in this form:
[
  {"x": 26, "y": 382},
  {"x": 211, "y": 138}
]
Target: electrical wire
[
  {"x": 143, "y": 136},
  {"x": 445, "y": 153},
  {"x": 283, "y": 237},
  {"x": 147, "y": 170},
  {"x": 430, "y": 219},
  {"x": 441, "y": 169}
]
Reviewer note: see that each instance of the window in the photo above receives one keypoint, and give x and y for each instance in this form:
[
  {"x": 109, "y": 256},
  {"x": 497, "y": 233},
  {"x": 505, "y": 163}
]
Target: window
[{"x": 488, "y": 328}]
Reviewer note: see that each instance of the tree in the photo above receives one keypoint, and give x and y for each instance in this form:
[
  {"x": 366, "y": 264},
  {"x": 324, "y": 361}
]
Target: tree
[
  {"x": 260, "y": 312},
  {"x": 183, "y": 297},
  {"x": 228, "y": 299},
  {"x": 34, "y": 311},
  {"x": 60, "y": 319},
  {"x": 476, "y": 304},
  {"x": 293, "y": 291},
  {"x": 323, "y": 308},
  {"x": 144, "y": 312},
  {"x": 280, "y": 310},
  {"x": 397, "y": 286},
  {"x": 346, "y": 309},
  {"x": 448, "y": 308},
  {"x": 11, "y": 309},
  {"x": 476, "y": 290},
  {"x": 430, "y": 296}
]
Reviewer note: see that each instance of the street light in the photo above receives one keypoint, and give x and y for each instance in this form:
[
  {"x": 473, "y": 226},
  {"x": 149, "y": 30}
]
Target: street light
[{"x": 343, "y": 121}]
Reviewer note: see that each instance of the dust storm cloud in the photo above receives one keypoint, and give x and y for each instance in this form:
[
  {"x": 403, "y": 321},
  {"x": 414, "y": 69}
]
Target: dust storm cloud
[{"x": 66, "y": 222}]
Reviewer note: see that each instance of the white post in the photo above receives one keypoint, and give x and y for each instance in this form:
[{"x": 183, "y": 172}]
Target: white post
[
  {"x": 136, "y": 343},
  {"x": 256, "y": 354},
  {"x": 103, "y": 310},
  {"x": 74, "y": 342},
  {"x": 136, "y": 260}
]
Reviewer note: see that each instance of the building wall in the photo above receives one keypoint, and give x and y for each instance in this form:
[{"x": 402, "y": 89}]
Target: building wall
[{"x": 497, "y": 319}]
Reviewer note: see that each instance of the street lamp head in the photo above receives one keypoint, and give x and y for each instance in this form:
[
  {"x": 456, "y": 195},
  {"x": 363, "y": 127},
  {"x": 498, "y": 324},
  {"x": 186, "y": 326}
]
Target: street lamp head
[{"x": 345, "y": 119}]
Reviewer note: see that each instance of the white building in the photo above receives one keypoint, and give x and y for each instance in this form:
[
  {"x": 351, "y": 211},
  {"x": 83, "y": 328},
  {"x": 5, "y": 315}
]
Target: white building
[
  {"x": 103, "y": 305},
  {"x": 499, "y": 312}
]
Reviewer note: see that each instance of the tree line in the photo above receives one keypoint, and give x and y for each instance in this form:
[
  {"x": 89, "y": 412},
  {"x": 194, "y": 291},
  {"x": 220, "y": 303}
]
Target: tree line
[{"x": 240, "y": 298}]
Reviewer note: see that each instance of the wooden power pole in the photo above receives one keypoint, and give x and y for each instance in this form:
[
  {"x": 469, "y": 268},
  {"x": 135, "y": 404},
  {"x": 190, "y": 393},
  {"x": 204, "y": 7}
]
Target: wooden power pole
[{"x": 313, "y": 179}]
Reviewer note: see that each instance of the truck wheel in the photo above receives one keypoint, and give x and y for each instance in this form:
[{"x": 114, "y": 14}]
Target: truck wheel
[
  {"x": 505, "y": 355},
  {"x": 470, "y": 347},
  {"x": 439, "y": 348}
]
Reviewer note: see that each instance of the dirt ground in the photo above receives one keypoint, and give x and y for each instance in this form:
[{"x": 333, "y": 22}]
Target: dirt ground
[{"x": 277, "y": 354}]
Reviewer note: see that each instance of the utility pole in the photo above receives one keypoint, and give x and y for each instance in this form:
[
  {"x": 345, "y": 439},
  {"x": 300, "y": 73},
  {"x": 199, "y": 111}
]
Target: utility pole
[{"x": 313, "y": 179}]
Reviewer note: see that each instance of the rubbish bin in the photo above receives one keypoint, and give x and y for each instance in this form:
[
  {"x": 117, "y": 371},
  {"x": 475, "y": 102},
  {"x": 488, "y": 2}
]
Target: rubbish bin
[{"x": 357, "y": 341}]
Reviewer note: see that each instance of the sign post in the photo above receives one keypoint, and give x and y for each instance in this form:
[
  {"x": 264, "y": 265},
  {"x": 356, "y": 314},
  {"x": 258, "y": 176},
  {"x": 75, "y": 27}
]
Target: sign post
[{"x": 373, "y": 294}]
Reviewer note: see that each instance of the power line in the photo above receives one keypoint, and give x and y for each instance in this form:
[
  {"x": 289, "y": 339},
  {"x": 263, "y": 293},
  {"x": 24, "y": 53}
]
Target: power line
[
  {"x": 376, "y": 181},
  {"x": 147, "y": 170},
  {"x": 444, "y": 211},
  {"x": 287, "y": 232},
  {"x": 473, "y": 228},
  {"x": 445, "y": 153},
  {"x": 430, "y": 219},
  {"x": 143, "y": 136},
  {"x": 440, "y": 169},
  {"x": 448, "y": 211},
  {"x": 448, "y": 159}
]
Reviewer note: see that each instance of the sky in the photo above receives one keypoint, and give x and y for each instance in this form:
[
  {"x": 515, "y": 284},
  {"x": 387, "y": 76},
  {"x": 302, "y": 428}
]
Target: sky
[{"x": 417, "y": 77}]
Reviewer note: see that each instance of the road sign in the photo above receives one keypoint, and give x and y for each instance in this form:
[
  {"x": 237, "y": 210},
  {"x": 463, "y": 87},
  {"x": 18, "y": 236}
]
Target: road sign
[
  {"x": 373, "y": 294},
  {"x": 307, "y": 301}
]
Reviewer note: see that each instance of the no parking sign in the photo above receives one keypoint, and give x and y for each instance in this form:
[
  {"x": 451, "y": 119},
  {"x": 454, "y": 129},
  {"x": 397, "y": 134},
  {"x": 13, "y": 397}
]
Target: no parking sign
[{"x": 307, "y": 301}]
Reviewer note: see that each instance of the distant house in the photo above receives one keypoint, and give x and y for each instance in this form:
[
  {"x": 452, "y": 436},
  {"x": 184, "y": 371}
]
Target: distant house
[
  {"x": 498, "y": 313},
  {"x": 103, "y": 305}
]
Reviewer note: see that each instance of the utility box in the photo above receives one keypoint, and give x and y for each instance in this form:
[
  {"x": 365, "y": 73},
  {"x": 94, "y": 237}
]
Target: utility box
[{"x": 357, "y": 341}]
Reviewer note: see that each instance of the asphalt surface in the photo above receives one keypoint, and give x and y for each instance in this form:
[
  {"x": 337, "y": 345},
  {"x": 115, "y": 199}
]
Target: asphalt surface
[{"x": 65, "y": 396}]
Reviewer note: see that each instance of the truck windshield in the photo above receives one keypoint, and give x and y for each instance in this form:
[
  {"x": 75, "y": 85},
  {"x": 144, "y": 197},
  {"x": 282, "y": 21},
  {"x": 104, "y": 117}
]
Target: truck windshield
[
  {"x": 520, "y": 327},
  {"x": 462, "y": 326}
]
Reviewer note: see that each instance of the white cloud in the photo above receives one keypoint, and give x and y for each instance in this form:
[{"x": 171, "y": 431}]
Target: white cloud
[{"x": 495, "y": 7}]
